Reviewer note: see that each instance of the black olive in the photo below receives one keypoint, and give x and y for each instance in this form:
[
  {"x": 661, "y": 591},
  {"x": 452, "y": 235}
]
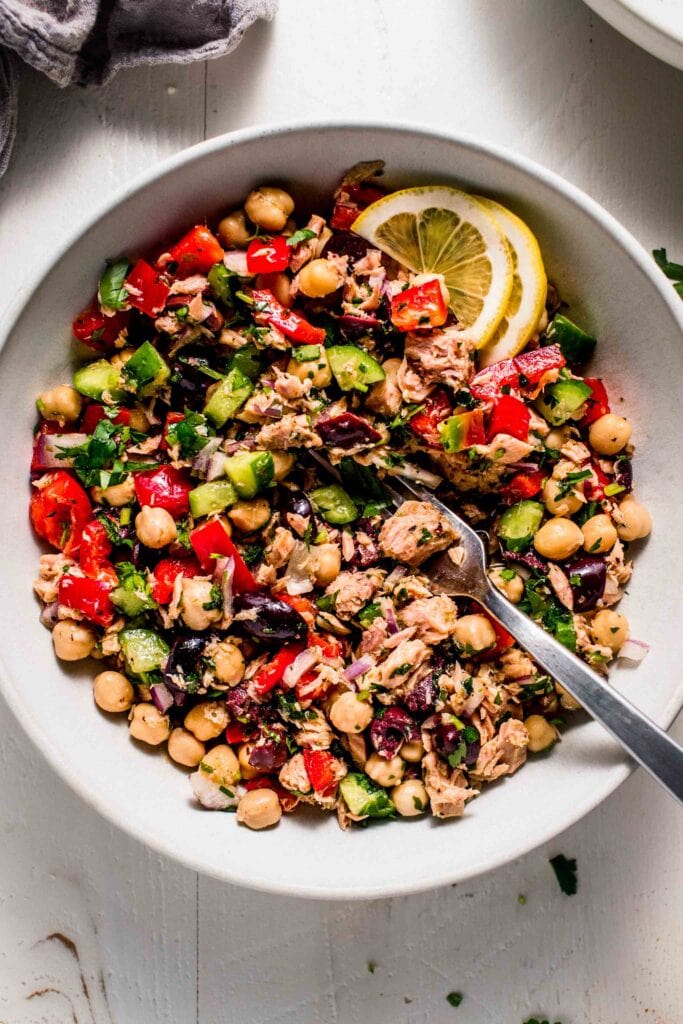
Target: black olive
[
  {"x": 347, "y": 430},
  {"x": 184, "y": 659},
  {"x": 272, "y": 619}
]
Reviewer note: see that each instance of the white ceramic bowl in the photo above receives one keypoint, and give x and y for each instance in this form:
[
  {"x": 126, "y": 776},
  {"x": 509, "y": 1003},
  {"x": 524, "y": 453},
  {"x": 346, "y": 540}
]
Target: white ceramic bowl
[
  {"x": 655, "y": 25},
  {"x": 612, "y": 287}
]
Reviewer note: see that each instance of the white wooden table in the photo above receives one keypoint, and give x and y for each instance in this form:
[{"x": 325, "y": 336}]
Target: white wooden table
[{"x": 94, "y": 929}]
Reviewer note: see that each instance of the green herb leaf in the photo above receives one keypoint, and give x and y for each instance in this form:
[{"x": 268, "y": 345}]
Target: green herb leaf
[
  {"x": 454, "y": 998},
  {"x": 111, "y": 293},
  {"x": 190, "y": 434},
  {"x": 368, "y": 614},
  {"x": 302, "y": 235},
  {"x": 674, "y": 271},
  {"x": 565, "y": 872}
]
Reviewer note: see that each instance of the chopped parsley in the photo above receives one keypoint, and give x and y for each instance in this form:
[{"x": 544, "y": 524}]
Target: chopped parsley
[
  {"x": 424, "y": 537},
  {"x": 215, "y": 601},
  {"x": 565, "y": 872},
  {"x": 328, "y": 602},
  {"x": 568, "y": 484},
  {"x": 372, "y": 966},
  {"x": 402, "y": 670},
  {"x": 302, "y": 235},
  {"x": 674, "y": 271},
  {"x": 190, "y": 434},
  {"x": 454, "y": 998},
  {"x": 368, "y": 614},
  {"x": 252, "y": 553},
  {"x": 507, "y": 575},
  {"x": 112, "y": 528},
  {"x": 99, "y": 461}
]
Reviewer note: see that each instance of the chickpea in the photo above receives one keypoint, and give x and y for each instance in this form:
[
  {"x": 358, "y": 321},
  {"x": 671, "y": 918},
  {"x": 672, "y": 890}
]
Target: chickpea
[
  {"x": 542, "y": 734},
  {"x": 119, "y": 359},
  {"x": 610, "y": 629},
  {"x": 385, "y": 772},
  {"x": 61, "y": 403},
  {"x": 155, "y": 527},
  {"x": 558, "y": 503},
  {"x": 260, "y": 808},
  {"x": 233, "y": 230},
  {"x": 73, "y": 640},
  {"x": 317, "y": 370},
  {"x": 196, "y": 595},
  {"x": 326, "y": 560},
  {"x": 558, "y": 538},
  {"x": 609, "y": 434},
  {"x": 269, "y": 207},
  {"x": 206, "y": 720},
  {"x": 148, "y": 725},
  {"x": 511, "y": 583},
  {"x": 221, "y": 765},
  {"x": 117, "y": 495},
  {"x": 385, "y": 396},
  {"x": 412, "y": 751},
  {"x": 633, "y": 519},
  {"x": 474, "y": 632},
  {"x": 279, "y": 283},
  {"x": 247, "y": 769},
  {"x": 229, "y": 663},
  {"x": 349, "y": 714},
  {"x": 599, "y": 534},
  {"x": 113, "y": 692},
  {"x": 184, "y": 748},
  {"x": 283, "y": 464},
  {"x": 557, "y": 438},
  {"x": 410, "y": 798},
  {"x": 319, "y": 278},
  {"x": 568, "y": 702},
  {"x": 249, "y": 516}
]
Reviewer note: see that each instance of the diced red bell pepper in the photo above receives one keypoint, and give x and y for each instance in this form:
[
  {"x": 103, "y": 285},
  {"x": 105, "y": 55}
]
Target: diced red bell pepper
[
  {"x": 59, "y": 510},
  {"x": 536, "y": 367},
  {"x": 522, "y": 486},
  {"x": 539, "y": 364},
  {"x": 271, "y": 674},
  {"x": 594, "y": 487},
  {"x": 96, "y": 330},
  {"x": 165, "y": 487},
  {"x": 504, "y": 640},
  {"x": 437, "y": 408},
  {"x": 268, "y": 255},
  {"x": 490, "y": 382},
  {"x": 510, "y": 416},
  {"x": 211, "y": 541},
  {"x": 422, "y": 306},
  {"x": 318, "y": 764},
  {"x": 95, "y": 547},
  {"x": 463, "y": 430},
  {"x": 149, "y": 291},
  {"x": 196, "y": 252},
  {"x": 89, "y": 597},
  {"x": 597, "y": 404},
  {"x": 301, "y": 604},
  {"x": 171, "y": 418},
  {"x": 329, "y": 645},
  {"x": 92, "y": 415},
  {"x": 165, "y": 573},
  {"x": 267, "y": 310},
  {"x": 353, "y": 199},
  {"x": 288, "y": 801},
  {"x": 310, "y": 687},
  {"x": 236, "y": 732}
]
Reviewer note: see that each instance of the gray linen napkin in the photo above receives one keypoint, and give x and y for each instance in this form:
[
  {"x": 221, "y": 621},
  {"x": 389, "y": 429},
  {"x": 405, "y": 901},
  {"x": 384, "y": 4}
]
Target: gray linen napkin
[{"x": 85, "y": 42}]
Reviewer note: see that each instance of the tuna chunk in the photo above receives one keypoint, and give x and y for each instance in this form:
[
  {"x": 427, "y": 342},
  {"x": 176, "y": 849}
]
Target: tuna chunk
[
  {"x": 448, "y": 794},
  {"x": 292, "y": 431},
  {"x": 434, "y": 618},
  {"x": 415, "y": 532},
  {"x": 353, "y": 590},
  {"x": 503, "y": 754},
  {"x": 294, "y": 777},
  {"x": 397, "y": 668},
  {"x": 441, "y": 356}
]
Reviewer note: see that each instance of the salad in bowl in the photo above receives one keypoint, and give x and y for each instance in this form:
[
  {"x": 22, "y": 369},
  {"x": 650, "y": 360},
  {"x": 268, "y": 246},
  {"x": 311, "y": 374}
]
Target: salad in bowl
[{"x": 274, "y": 629}]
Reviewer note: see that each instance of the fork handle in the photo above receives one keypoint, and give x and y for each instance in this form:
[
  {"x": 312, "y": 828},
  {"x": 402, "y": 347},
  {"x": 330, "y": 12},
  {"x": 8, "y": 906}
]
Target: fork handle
[{"x": 646, "y": 742}]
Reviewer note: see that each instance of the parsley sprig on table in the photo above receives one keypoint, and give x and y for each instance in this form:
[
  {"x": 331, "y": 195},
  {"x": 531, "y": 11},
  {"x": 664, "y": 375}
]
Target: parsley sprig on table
[
  {"x": 565, "y": 872},
  {"x": 674, "y": 271}
]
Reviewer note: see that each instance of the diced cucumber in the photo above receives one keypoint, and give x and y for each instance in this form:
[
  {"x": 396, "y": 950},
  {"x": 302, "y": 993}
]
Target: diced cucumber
[
  {"x": 229, "y": 396},
  {"x": 95, "y": 380},
  {"x": 250, "y": 472},
  {"x": 247, "y": 361},
  {"x": 334, "y": 504},
  {"x": 563, "y": 400},
  {"x": 306, "y": 353},
  {"x": 363, "y": 797},
  {"x": 131, "y": 602},
  {"x": 146, "y": 371},
  {"x": 575, "y": 345},
  {"x": 143, "y": 649},
  {"x": 211, "y": 497},
  {"x": 354, "y": 368},
  {"x": 518, "y": 524}
]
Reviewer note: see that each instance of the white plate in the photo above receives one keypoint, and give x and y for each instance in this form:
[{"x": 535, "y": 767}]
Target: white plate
[
  {"x": 656, "y": 25},
  {"x": 613, "y": 288}
]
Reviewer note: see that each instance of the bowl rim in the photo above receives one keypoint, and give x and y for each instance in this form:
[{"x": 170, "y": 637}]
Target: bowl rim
[{"x": 614, "y": 776}]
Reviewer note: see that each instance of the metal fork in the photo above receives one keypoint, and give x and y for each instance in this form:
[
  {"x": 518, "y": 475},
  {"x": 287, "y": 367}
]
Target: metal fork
[{"x": 645, "y": 742}]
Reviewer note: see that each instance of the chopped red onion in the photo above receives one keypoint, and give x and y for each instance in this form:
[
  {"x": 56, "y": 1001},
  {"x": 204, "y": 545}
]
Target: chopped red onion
[
  {"x": 201, "y": 461},
  {"x": 392, "y": 624},
  {"x": 237, "y": 262},
  {"x": 216, "y": 466},
  {"x": 162, "y": 697},
  {"x": 298, "y": 586},
  {"x": 394, "y": 576},
  {"x": 223, "y": 574},
  {"x": 51, "y": 448},
  {"x": 302, "y": 664},
  {"x": 358, "y": 668},
  {"x": 633, "y": 650}
]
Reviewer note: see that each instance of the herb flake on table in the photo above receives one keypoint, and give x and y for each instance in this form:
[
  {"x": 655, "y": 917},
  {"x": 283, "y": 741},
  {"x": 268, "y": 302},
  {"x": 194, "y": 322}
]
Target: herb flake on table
[
  {"x": 454, "y": 998},
  {"x": 565, "y": 872}
]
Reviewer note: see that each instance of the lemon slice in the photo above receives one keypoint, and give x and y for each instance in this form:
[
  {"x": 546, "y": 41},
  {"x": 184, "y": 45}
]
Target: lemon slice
[
  {"x": 529, "y": 288},
  {"x": 440, "y": 230}
]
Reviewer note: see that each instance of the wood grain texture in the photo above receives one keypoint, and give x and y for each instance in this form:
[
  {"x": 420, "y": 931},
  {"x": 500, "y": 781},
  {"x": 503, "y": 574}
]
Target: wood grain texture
[{"x": 96, "y": 929}]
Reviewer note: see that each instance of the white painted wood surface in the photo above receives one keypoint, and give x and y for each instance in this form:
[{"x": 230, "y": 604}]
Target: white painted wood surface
[{"x": 94, "y": 929}]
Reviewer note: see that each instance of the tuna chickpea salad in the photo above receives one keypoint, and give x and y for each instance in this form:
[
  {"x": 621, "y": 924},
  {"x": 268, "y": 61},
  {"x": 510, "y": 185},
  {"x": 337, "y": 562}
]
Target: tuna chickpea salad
[{"x": 269, "y": 627}]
